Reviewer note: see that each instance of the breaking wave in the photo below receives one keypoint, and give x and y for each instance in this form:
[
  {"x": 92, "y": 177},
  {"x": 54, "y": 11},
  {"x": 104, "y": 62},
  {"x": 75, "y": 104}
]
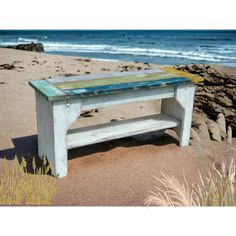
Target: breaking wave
[
  {"x": 27, "y": 40},
  {"x": 203, "y": 55},
  {"x": 207, "y": 53}
]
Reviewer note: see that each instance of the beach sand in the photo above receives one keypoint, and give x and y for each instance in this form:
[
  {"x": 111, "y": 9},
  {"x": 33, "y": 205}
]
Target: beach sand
[{"x": 119, "y": 172}]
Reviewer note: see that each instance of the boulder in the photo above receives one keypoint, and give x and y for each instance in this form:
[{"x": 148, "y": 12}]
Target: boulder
[
  {"x": 35, "y": 47},
  {"x": 195, "y": 136},
  {"x": 229, "y": 135},
  {"x": 221, "y": 123},
  {"x": 203, "y": 132},
  {"x": 214, "y": 131},
  {"x": 198, "y": 118}
]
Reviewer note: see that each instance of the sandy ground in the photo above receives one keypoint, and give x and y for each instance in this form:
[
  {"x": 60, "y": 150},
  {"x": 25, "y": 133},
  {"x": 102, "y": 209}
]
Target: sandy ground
[{"x": 118, "y": 172}]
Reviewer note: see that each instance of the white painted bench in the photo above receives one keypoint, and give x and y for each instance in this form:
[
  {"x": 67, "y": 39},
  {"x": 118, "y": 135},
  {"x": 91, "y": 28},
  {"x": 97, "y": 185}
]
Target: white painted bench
[{"x": 60, "y": 101}]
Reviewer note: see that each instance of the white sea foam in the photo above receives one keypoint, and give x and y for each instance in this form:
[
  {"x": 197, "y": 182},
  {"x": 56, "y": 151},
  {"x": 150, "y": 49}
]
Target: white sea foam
[
  {"x": 20, "y": 39},
  {"x": 3, "y": 44},
  {"x": 101, "y": 59},
  {"x": 204, "y": 55},
  {"x": 215, "y": 53}
]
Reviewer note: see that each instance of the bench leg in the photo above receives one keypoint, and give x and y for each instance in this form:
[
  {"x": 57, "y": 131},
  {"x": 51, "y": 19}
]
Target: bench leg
[
  {"x": 181, "y": 107},
  {"x": 53, "y": 121}
]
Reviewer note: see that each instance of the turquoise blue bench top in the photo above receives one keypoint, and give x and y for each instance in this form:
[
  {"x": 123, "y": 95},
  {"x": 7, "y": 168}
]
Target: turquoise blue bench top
[{"x": 98, "y": 84}]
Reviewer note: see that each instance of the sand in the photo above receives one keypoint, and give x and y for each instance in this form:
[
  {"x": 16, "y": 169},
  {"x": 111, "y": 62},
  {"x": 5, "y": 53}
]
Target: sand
[{"x": 119, "y": 172}]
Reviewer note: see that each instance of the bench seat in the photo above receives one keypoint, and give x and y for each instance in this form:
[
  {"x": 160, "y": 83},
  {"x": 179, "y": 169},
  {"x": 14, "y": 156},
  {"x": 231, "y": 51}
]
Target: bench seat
[{"x": 100, "y": 84}]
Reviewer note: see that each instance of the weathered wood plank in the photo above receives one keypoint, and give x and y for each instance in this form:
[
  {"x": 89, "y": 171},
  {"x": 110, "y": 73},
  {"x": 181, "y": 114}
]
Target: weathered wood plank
[
  {"x": 194, "y": 78},
  {"x": 100, "y": 84},
  {"x": 77, "y": 84},
  {"x": 46, "y": 89},
  {"x": 114, "y": 130},
  {"x": 107, "y": 100},
  {"x": 117, "y": 88}
]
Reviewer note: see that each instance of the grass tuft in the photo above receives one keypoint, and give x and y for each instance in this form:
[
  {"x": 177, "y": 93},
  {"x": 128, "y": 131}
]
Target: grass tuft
[
  {"x": 17, "y": 187},
  {"x": 218, "y": 188}
]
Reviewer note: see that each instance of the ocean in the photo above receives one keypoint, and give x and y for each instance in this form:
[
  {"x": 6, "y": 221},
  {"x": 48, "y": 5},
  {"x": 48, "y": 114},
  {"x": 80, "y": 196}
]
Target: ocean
[{"x": 154, "y": 46}]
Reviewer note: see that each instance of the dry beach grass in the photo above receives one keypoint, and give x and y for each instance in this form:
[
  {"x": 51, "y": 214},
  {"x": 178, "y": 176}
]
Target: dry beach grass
[
  {"x": 218, "y": 188},
  {"x": 17, "y": 187}
]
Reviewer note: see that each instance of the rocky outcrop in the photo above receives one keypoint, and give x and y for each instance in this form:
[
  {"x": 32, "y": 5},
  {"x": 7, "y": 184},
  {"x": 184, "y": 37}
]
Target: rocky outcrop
[
  {"x": 210, "y": 130},
  {"x": 35, "y": 47},
  {"x": 217, "y": 94}
]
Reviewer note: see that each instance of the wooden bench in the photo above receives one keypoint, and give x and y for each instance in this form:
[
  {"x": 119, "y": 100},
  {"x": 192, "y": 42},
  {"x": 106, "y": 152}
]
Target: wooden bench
[{"x": 60, "y": 101}]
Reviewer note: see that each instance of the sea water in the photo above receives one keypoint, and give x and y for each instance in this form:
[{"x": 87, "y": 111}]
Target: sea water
[{"x": 167, "y": 47}]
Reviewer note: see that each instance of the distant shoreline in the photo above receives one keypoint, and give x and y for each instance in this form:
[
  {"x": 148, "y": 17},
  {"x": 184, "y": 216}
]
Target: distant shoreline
[{"x": 156, "y": 47}]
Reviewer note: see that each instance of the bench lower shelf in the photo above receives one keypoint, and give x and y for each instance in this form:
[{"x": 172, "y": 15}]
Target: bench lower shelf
[{"x": 118, "y": 129}]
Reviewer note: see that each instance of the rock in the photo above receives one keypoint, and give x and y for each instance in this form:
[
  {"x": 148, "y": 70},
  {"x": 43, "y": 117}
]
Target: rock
[
  {"x": 214, "y": 131},
  {"x": 229, "y": 135},
  {"x": 232, "y": 94},
  {"x": 146, "y": 63},
  {"x": 216, "y": 94},
  {"x": 221, "y": 123},
  {"x": 127, "y": 68},
  {"x": 198, "y": 118},
  {"x": 224, "y": 101},
  {"x": 205, "y": 94},
  {"x": 86, "y": 60},
  {"x": 105, "y": 69},
  {"x": 83, "y": 59},
  {"x": 203, "y": 132},
  {"x": 7, "y": 67},
  {"x": 112, "y": 120},
  {"x": 35, "y": 47},
  {"x": 195, "y": 136},
  {"x": 68, "y": 75}
]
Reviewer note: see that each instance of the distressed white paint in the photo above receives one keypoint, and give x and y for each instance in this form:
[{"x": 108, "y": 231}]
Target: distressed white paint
[
  {"x": 53, "y": 121},
  {"x": 127, "y": 97},
  {"x": 118, "y": 129},
  {"x": 55, "y": 118},
  {"x": 181, "y": 107}
]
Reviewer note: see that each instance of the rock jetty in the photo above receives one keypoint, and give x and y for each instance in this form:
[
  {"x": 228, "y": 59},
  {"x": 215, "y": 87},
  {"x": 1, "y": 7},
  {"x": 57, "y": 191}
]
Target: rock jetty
[{"x": 34, "y": 47}]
